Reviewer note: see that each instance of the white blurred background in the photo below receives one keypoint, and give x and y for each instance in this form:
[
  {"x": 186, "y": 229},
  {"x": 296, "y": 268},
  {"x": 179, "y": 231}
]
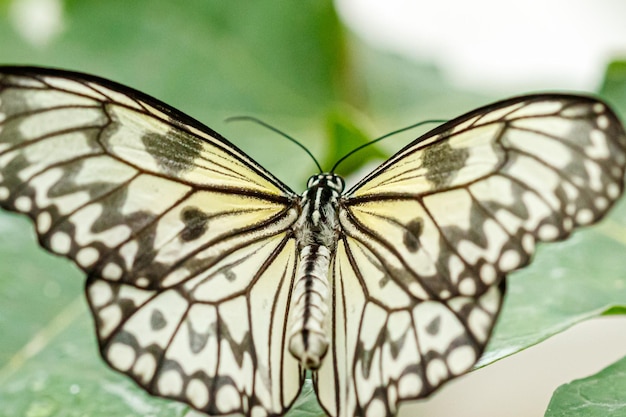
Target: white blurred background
[
  {"x": 501, "y": 46},
  {"x": 505, "y": 48}
]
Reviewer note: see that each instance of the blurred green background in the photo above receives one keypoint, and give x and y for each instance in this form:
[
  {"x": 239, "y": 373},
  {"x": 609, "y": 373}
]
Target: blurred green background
[{"x": 296, "y": 66}]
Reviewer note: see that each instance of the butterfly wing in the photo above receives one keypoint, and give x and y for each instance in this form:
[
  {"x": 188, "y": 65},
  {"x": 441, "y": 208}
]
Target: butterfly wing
[
  {"x": 186, "y": 241},
  {"x": 429, "y": 236}
]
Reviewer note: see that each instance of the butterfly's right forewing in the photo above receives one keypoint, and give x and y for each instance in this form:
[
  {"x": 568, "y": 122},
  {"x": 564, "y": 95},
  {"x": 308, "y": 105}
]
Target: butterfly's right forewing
[{"x": 457, "y": 209}]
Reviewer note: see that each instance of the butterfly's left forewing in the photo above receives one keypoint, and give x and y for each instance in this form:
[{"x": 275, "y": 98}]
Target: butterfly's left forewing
[
  {"x": 428, "y": 237},
  {"x": 187, "y": 241}
]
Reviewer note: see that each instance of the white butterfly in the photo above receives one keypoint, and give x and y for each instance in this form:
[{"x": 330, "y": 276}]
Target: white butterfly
[{"x": 214, "y": 284}]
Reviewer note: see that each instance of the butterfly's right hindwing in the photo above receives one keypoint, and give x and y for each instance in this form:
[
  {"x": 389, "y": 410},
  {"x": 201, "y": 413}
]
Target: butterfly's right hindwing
[{"x": 406, "y": 351}]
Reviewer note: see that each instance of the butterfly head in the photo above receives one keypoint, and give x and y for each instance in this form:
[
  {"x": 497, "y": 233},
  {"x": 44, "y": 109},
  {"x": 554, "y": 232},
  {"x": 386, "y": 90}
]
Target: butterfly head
[{"x": 327, "y": 180}]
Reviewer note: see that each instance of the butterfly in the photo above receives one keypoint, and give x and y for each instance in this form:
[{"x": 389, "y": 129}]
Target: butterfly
[{"x": 213, "y": 283}]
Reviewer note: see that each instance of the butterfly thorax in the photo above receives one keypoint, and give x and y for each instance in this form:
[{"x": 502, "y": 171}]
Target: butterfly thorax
[
  {"x": 318, "y": 222},
  {"x": 316, "y": 233}
]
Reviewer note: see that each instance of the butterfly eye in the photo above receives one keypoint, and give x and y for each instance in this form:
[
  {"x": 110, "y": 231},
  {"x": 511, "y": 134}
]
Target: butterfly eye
[
  {"x": 338, "y": 183},
  {"x": 313, "y": 181}
]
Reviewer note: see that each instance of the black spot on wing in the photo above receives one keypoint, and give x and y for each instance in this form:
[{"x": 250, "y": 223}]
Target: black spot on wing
[
  {"x": 442, "y": 162},
  {"x": 230, "y": 275},
  {"x": 195, "y": 224},
  {"x": 198, "y": 339},
  {"x": 412, "y": 233},
  {"x": 434, "y": 326},
  {"x": 174, "y": 151},
  {"x": 157, "y": 320}
]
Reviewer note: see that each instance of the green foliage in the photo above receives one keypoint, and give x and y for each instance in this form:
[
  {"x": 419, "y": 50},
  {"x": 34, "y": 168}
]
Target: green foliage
[
  {"x": 344, "y": 135},
  {"x": 599, "y": 395},
  {"x": 63, "y": 376},
  {"x": 615, "y": 310},
  {"x": 614, "y": 85},
  {"x": 292, "y": 64},
  {"x": 306, "y": 405}
]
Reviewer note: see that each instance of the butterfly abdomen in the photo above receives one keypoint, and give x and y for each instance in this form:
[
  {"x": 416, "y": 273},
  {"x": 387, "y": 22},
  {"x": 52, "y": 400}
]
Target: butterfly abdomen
[
  {"x": 308, "y": 341},
  {"x": 316, "y": 235}
]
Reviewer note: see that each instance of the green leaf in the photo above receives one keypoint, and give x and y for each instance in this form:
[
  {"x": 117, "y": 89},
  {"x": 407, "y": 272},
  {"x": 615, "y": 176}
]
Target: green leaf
[
  {"x": 599, "y": 395},
  {"x": 34, "y": 286},
  {"x": 278, "y": 56},
  {"x": 306, "y": 405},
  {"x": 66, "y": 378},
  {"x": 615, "y": 310},
  {"x": 614, "y": 84}
]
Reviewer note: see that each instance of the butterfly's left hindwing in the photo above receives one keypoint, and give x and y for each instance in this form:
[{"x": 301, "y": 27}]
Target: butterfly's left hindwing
[
  {"x": 428, "y": 237},
  {"x": 192, "y": 343},
  {"x": 185, "y": 239}
]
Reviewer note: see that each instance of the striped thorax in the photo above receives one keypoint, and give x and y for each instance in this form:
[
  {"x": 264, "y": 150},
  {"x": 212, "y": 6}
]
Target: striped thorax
[{"x": 316, "y": 235}]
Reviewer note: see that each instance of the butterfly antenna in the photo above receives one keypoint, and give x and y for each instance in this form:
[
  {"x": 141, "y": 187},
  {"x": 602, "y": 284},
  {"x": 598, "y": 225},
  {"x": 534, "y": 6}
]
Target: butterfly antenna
[
  {"x": 365, "y": 145},
  {"x": 272, "y": 128}
]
